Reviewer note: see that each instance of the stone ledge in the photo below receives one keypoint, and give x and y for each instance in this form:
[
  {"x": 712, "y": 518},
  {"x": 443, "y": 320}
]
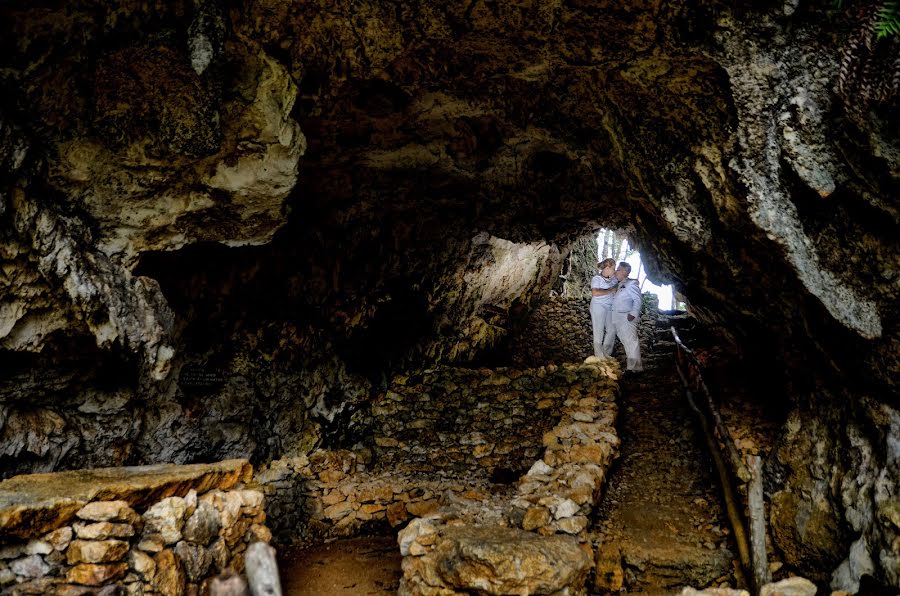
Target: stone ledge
[{"x": 33, "y": 504}]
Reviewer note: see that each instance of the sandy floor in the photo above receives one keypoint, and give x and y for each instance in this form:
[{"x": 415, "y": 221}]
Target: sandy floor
[{"x": 358, "y": 566}]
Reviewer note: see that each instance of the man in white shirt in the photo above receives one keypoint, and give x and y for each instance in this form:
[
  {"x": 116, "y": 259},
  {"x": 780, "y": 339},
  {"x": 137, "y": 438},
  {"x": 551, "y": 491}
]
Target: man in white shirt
[
  {"x": 602, "y": 289},
  {"x": 626, "y": 311}
]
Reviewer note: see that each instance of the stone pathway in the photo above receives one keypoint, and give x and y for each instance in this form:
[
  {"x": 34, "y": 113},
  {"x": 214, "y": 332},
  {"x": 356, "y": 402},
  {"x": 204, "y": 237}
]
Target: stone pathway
[{"x": 660, "y": 525}]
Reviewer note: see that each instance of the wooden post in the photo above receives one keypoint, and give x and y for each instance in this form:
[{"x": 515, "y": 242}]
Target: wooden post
[
  {"x": 262, "y": 570},
  {"x": 757, "y": 523}
]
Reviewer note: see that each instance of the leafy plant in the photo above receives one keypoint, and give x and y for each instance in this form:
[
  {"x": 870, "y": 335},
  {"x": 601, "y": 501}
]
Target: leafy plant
[{"x": 888, "y": 21}]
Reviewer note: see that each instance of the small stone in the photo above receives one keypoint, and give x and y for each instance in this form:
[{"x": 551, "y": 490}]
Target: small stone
[
  {"x": 539, "y": 468},
  {"x": 220, "y": 554},
  {"x": 331, "y": 477},
  {"x": 567, "y": 508},
  {"x": 195, "y": 558},
  {"x": 792, "y": 586},
  {"x": 230, "y": 583},
  {"x": 333, "y": 498},
  {"x": 258, "y": 533},
  {"x": 11, "y": 551},
  {"x": 572, "y": 525},
  {"x": 32, "y": 566},
  {"x": 190, "y": 502},
  {"x": 203, "y": 526},
  {"x": 142, "y": 564},
  {"x": 96, "y": 551},
  {"x": 422, "y": 508},
  {"x": 236, "y": 532},
  {"x": 7, "y": 576},
  {"x": 89, "y": 574},
  {"x": 251, "y": 499},
  {"x": 169, "y": 577},
  {"x": 38, "y": 547},
  {"x": 228, "y": 504},
  {"x": 535, "y": 518},
  {"x": 383, "y": 493},
  {"x": 102, "y": 530},
  {"x": 108, "y": 511},
  {"x": 371, "y": 508},
  {"x": 60, "y": 538},
  {"x": 338, "y": 510},
  {"x": 166, "y": 518},
  {"x": 152, "y": 543},
  {"x": 415, "y": 530},
  {"x": 397, "y": 514}
]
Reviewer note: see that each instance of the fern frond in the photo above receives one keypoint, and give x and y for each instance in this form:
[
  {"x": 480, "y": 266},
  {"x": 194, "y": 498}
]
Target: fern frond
[{"x": 887, "y": 23}]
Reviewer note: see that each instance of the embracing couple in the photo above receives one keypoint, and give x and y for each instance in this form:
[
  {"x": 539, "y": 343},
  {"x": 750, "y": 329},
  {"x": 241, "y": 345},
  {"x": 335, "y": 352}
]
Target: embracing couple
[{"x": 615, "y": 311}]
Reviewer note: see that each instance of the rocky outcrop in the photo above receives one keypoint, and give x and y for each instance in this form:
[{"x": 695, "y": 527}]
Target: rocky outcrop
[
  {"x": 460, "y": 560},
  {"x": 833, "y": 508}
]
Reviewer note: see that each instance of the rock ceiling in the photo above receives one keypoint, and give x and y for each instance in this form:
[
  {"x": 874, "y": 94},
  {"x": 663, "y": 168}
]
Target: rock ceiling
[{"x": 349, "y": 152}]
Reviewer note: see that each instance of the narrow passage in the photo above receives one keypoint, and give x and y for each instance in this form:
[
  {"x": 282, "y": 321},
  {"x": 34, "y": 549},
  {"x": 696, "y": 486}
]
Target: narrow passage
[{"x": 660, "y": 525}]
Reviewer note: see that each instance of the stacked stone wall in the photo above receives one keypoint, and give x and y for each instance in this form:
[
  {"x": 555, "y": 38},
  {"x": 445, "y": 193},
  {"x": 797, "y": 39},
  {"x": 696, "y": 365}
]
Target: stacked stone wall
[
  {"x": 147, "y": 530},
  {"x": 468, "y": 422},
  {"x": 557, "y": 331},
  {"x": 554, "y": 425}
]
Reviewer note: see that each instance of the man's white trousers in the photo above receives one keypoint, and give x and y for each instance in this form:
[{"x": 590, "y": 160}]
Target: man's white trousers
[
  {"x": 626, "y": 331},
  {"x": 599, "y": 323}
]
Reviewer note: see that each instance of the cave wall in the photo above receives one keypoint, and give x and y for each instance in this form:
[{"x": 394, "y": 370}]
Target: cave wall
[{"x": 299, "y": 199}]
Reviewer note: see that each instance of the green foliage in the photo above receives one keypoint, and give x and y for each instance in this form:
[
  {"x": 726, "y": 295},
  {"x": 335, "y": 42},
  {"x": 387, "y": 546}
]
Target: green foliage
[
  {"x": 888, "y": 21},
  {"x": 887, "y": 18}
]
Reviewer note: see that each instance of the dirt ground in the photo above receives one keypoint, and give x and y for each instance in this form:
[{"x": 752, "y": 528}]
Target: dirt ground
[
  {"x": 357, "y": 567},
  {"x": 660, "y": 524}
]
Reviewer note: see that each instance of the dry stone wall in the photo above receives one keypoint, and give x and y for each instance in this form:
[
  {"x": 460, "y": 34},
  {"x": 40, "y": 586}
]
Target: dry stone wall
[
  {"x": 145, "y": 530},
  {"x": 557, "y": 331},
  {"x": 441, "y": 439},
  {"x": 470, "y": 422},
  {"x": 444, "y": 436}
]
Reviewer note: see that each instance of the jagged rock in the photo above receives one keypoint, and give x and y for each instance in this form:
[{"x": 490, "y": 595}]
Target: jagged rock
[
  {"x": 166, "y": 518},
  {"x": 195, "y": 559},
  {"x": 96, "y": 551},
  {"x": 792, "y": 586},
  {"x": 102, "y": 530},
  {"x": 32, "y": 566},
  {"x": 203, "y": 525},
  {"x": 170, "y": 577},
  {"x": 471, "y": 558},
  {"x": 89, "y": 574}
]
